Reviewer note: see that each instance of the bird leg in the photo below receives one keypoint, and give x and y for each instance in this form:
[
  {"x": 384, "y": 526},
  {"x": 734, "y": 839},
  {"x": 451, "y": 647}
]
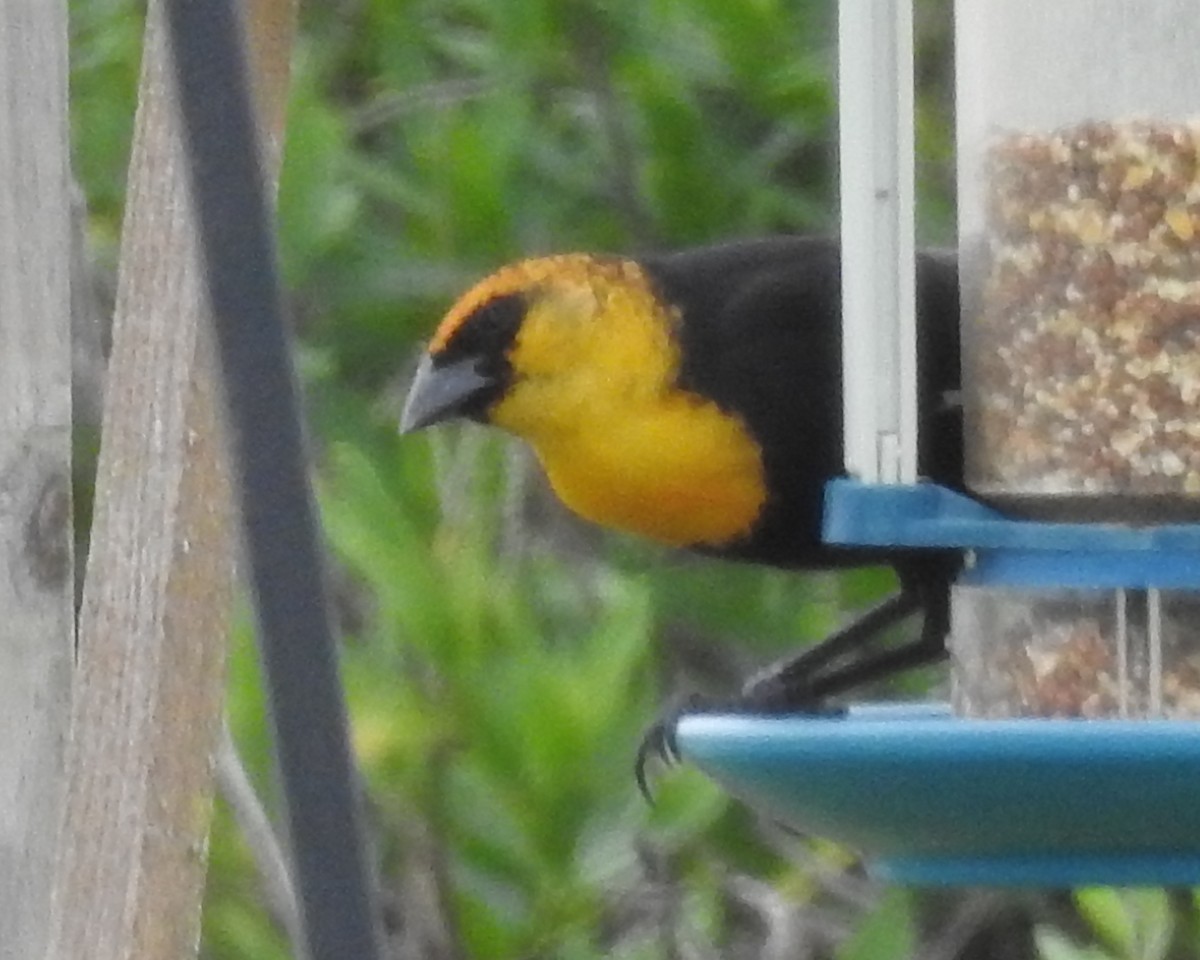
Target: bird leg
[
  {"x": 927, "y": 648},
  {"x": 803, "y": 682},
  {"x": 799, "y": 682}
]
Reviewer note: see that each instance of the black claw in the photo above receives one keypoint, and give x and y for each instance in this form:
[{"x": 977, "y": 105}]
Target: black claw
[
  {"x": 659, "y": 742},
  {"x": 766, "y": 695}
]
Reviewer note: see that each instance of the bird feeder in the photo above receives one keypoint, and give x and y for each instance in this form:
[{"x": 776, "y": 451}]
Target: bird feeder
[
  {"x": 1079, "y": 133},
  {"x": 1068, "y": 754}
]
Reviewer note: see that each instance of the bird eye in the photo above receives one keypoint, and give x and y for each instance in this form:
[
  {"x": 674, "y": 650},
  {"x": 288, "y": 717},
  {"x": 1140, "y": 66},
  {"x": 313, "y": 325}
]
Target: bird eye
[{"x": 491, "y": 329}]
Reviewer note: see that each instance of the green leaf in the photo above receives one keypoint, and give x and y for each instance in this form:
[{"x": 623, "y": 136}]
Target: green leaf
[
  {"x": 1053, "y": 944},
  {"x": 1135, "y": 924},
  {"x": 888, "y": 933}
]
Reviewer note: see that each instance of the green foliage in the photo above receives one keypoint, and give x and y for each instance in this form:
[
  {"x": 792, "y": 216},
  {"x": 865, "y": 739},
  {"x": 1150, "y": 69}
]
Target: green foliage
[
  {"x": 429, "y": 141},
  {"x": 496, "y": 732},
  {"x": 106, "y": 39},
  {"x": 1053, "y": 944},
  {"x": 888, "y": 933},
  {"x": 1133, "y": 924}
]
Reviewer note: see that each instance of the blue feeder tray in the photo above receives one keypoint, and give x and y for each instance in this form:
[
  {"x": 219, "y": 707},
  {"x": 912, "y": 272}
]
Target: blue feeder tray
[
  {"x": 941, "y": 800},
  {"x": 946, "y": 801}
]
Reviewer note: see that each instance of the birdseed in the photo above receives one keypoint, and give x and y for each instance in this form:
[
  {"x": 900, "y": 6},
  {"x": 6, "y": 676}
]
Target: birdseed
[
  {"x": 1065, "y": 654},
  {"x": 1084, "y": 358}
]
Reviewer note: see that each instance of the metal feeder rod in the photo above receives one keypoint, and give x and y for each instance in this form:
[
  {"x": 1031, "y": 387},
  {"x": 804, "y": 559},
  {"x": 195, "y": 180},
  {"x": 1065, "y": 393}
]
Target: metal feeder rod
[{"x": 879, "y": 363}]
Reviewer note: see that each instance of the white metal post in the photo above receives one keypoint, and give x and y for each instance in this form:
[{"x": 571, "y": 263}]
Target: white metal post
[{"x": 879, "y": 366}]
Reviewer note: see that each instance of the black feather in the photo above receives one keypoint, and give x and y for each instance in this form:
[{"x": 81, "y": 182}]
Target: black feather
[{"x": 761, "y": 336}]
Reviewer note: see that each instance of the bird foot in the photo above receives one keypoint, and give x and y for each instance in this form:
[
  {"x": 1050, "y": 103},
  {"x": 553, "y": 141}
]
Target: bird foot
[
  {"x": 659, "y": 743},
  {"x": 764, "y": 695},
  {"x": 776, "y": 691}
]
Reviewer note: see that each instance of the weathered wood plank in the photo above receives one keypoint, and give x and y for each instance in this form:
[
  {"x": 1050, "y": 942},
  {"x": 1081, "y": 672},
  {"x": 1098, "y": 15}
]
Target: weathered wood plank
[
  {"x": 36, "y": 597},
  {"x": 157, "y": 598}
]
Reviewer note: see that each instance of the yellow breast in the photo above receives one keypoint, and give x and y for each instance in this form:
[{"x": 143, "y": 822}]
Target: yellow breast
[{"x": 682, "y": 473}]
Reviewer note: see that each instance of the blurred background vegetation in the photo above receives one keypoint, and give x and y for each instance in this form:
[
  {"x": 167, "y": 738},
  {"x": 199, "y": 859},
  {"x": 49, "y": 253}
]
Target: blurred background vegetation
[{"x": 501, "y": 660}]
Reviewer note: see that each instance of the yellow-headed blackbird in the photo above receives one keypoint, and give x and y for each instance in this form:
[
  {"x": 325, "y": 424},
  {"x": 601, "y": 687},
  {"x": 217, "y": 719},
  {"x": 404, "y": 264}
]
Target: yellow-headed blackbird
[{"x": 695, "y": 398}]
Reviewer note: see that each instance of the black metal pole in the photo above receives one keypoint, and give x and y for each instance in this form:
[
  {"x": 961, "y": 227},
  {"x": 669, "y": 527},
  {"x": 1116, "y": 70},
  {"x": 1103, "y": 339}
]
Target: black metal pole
[{"x": 332, "y": 878}]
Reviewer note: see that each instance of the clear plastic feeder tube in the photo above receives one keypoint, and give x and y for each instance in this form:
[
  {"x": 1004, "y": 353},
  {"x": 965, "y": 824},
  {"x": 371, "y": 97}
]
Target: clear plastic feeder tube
[
  {"x": 1076, "y": 653},
  {"x": 1079, "y": 225}
]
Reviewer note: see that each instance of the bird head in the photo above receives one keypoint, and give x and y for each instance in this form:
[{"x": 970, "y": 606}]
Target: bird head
[
  {"x": 466, "y": 368},
  {"x": 543, "y": 346}
]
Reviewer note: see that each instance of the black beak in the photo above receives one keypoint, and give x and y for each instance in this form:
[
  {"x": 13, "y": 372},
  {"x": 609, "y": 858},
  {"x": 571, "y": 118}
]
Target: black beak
[{"x": 443, "y": 392}]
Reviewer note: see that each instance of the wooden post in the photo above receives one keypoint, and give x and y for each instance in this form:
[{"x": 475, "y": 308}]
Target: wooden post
[
  {"x": 36, "y": 582},
  {"x": 155, "y": 618}
]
